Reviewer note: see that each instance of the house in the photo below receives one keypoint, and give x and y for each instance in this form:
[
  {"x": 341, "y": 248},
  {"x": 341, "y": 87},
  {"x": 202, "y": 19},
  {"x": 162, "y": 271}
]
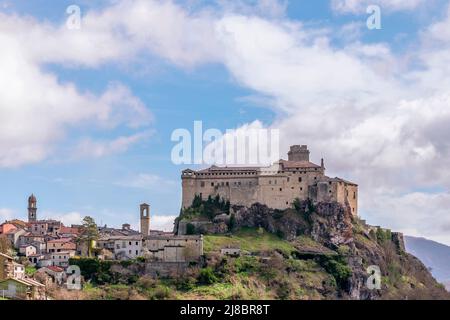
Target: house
[
  {"x": 23, "y": 289},
  {"x": 123, "y": 247},
  {"x": 27, "y": 249},
  {"x": 167, "y": 247},
  {"x": 45, "y": 227},
  {"x": 35, "y": 259},
  {"x": 9, "y": 268},
  {"x": 57, "y": 274},
  {"x": 14, "y": 236},
  {"x": 6, "y": 227},
  {"x": 29, "y": 238},
  {"x": 61, "y": 244},
  {"x": 233, "y": 252},
  {"x": 68, "y": 232},
  {"x": 41, "y": 247},
  {"x": 61, "y": 259}
]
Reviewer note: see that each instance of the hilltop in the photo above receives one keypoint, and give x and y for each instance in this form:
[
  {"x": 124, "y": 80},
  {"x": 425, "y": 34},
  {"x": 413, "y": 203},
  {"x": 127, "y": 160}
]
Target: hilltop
[{"x": 308, "y": 252}]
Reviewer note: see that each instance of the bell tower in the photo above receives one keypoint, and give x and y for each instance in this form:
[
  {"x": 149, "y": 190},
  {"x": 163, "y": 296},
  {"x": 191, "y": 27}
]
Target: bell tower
[
  {"x": 145, "y": 219},
  {"x": 32, "y": 208}
]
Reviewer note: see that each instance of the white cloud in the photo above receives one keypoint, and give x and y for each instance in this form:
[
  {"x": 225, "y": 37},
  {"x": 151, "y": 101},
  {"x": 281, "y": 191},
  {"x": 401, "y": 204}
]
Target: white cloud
[
  {"x": 6, "y": 214},
  {"x": 36, "y": 108},
  {"x": 416, "y": 213},
  {"x": 376, "y": 117},
  {"x": 148, "y": 181},
  {"x": 360, "y": 6},
  {"x": 88, "y": 148},
  {"x": 67, "y": 218},
  {"x": 164, "y": 223}
]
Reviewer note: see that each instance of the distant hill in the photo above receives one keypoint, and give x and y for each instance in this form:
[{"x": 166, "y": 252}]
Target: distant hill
[{"x": 433, "y": 254}]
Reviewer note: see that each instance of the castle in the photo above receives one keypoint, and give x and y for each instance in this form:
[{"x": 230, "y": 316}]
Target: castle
[{"x": 276, "y": 186}]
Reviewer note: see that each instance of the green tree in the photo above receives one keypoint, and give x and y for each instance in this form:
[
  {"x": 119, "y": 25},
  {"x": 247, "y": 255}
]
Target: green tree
[{"x": 89, "y": 233}]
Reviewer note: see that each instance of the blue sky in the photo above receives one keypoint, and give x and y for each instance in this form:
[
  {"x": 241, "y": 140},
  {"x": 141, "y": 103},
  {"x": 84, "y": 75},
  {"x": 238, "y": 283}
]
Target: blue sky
[{"x": 226, "y": 88}]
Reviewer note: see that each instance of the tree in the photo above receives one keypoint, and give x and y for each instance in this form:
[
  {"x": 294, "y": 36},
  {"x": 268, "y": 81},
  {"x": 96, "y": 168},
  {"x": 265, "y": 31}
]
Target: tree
[
  {"x": 89, "y": 233},
  {"x": 4, "y": 244}
]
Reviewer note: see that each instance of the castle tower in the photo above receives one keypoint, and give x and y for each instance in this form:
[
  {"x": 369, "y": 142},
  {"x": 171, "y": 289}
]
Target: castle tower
[
  {"x": 145, "y": 219},
  {"x": 32, "y": 208},
  {"x": 298, "y": 153}
]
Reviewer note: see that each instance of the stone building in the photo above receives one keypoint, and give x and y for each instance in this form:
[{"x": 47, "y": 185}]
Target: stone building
[
  {"x": 276, "y": 186},
  {"x": 173, "y": 248}
]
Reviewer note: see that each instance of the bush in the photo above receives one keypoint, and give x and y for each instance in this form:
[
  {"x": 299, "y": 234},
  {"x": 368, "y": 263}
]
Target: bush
[
  {"x": 146, "y": 282},
  {"x": 161, "y": 293},
  {"x": 245, "y": 264},
  {"x": 190, "y": 229},
  {"x": 207, "y": 276},
  {"x": 186, "y": 283},
  {"x": 338, "y": 268}
]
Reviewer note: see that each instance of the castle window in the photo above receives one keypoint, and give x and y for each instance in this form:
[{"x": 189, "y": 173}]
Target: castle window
[
  {"x": 270, "y": 181},
  {"x": 281, "y": 189},
  {"x": 212, "y": 184},
  {"x": 202, "y": 184},
  {"x": 301, "y": 189},
  {"x": 300, "y": 179},
  {"x": 228, "y": 184},
  {"x": 288, "y": 179},
  {"x": 354, "y": 195}
]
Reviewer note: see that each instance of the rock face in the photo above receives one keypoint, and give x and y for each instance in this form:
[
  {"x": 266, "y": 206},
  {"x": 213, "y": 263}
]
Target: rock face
[{"x": 355, "y": 245}]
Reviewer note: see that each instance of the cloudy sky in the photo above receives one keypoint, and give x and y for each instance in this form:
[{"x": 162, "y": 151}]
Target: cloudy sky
[{"x": 86, "y": 115}]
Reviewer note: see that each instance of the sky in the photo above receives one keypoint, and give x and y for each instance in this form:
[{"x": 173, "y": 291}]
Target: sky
[{"x": 87, "y": 114}]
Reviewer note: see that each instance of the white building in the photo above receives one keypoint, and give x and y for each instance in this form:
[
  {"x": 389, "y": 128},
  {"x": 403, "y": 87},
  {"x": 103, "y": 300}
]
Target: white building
[
  {"x": 61, "y": 259},
  {"x": 123, "y": 247},
  {"x": 28, "y": 250}
]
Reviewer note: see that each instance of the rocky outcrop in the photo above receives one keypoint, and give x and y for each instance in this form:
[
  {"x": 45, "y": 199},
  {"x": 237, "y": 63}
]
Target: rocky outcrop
[{"x": 355, "y": 246}]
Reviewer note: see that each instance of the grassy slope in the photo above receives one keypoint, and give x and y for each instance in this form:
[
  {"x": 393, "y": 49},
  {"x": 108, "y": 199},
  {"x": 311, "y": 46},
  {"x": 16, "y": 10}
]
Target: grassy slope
[{"x": 247, "y": 240}]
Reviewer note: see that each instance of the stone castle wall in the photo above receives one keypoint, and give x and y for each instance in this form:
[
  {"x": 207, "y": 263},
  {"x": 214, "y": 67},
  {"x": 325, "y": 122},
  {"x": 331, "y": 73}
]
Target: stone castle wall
[{"x": 276, "y": 186}]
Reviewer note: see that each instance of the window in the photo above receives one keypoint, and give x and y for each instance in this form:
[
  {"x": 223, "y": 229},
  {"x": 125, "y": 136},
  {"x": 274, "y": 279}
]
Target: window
[
  {"x": 301, "y": 189},
  {"x": 300, "y": 179},
  {"x": 202, "y": 184},
  {"x": 270, "y": 181},
  {"x": 281, "y": 189},
  {"x": 137, "y": 243},
  {"x": 212, "y": 184},
  {"x": 354, "y": 195}
]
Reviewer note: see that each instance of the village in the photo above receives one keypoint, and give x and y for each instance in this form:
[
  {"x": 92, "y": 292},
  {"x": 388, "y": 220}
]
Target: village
[{"x": 45, "y": 248}]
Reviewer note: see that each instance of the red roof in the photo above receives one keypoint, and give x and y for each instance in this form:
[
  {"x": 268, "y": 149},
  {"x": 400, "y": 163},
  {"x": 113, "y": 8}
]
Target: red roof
[
  {"x": 68, "y": 230},
  {"x": 61, "y": 240},
  {"x": 298, "y": 164},
  {"x": 55, "y": 268}
]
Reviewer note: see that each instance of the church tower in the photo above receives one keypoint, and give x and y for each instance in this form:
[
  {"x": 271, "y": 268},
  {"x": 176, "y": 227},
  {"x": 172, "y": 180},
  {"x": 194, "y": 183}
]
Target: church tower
[
  {"x": 32, "y": 208},
  {"x": 145, "y": 219}
]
